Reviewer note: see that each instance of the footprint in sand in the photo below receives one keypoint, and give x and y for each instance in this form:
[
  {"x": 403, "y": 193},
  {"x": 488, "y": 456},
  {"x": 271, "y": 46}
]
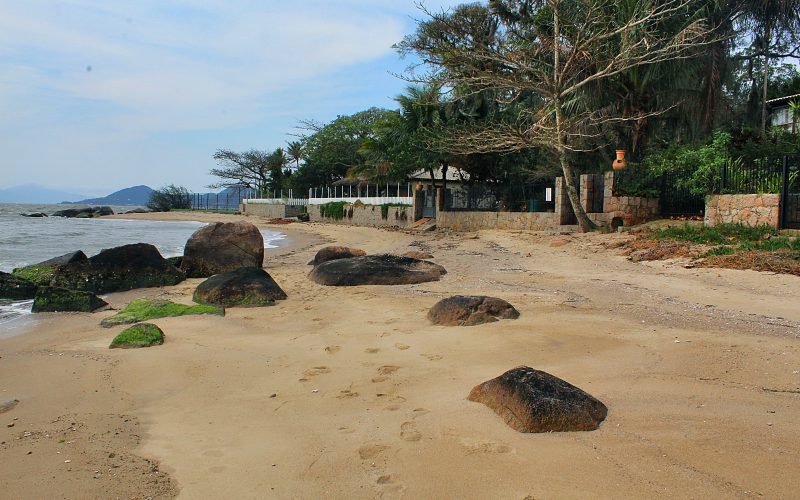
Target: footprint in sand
[
  {"x": 371, "y": 451},
  {"x": 473, "y": 447},
  {"x": 393, "y": 407},
  {"x": 332, "y": 349},
  {"x": 388, "y": 369},
  {"x": 420, "y": 412},
  {"x": 376, "y": 380},
  {"x": 347, "y": 393},
  {"x": 385, "y": 479},
  {"x": 432, "y": 357},
  {"x": 317, "y": 370},
  {"x": 371, "y": 350},
  {"x": 409, "y": 432},
  {"x": 402, "y": 346}
]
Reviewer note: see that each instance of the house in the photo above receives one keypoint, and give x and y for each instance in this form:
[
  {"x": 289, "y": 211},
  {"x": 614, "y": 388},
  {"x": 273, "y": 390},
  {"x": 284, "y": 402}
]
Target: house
[{"x": 782, "y": 115}]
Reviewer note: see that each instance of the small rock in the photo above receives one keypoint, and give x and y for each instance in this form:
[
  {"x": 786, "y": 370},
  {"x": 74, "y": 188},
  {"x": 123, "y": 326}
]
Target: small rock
[{"x": 10, "y": 424}]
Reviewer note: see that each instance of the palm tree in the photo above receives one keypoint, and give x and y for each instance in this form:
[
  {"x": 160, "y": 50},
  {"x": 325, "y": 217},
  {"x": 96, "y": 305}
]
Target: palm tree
[{"x": 295, "y": 151}]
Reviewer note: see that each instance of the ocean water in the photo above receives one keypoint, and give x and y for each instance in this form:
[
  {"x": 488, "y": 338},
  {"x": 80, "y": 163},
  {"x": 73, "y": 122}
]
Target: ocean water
[{"x": 27, "y": 240}]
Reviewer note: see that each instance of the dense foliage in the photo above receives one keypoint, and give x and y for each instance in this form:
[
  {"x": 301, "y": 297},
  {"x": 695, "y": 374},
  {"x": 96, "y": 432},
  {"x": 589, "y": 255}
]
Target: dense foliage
[{"x": 168, "y": 198}]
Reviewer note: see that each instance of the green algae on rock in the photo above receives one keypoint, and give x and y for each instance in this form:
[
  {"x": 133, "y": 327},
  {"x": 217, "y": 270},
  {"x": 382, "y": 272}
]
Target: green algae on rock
[
  {"x": 141, "y": 335},
  {"x": 54, "y": 299},
  {"x": 144, "y": 309}
]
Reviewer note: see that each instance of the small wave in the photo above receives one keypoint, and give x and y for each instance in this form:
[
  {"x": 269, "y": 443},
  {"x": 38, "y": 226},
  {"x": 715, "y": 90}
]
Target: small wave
[{"x": 10, "y": 312}]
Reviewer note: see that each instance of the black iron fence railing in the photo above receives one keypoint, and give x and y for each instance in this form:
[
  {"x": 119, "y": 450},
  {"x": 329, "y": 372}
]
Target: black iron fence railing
[{"x": 535, "y": 197}]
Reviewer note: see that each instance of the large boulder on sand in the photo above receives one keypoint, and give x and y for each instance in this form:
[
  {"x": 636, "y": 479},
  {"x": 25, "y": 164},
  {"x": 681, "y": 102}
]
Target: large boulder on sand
[
  {"x": 534, "y": 401},
  {"x": 52, "y": 299},
  {"x": 333, "y": 253},
  {"x": 376, "y": 270},
  {"x": 43, "y": 272},
  {"x": 15, "y": 288},
  {"x": 244, "y": 287},
  {"x": 465, "y": 310},
  {"x": 139, "y": 265},
  {"x": 222, "y": 247}
]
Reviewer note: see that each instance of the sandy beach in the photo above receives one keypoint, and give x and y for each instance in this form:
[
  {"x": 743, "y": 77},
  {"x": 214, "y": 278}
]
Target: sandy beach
[{"x": 351, "y": 393}]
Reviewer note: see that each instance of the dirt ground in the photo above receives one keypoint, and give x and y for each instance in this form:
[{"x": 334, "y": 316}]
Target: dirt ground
[{"x": 351, "y": 393}]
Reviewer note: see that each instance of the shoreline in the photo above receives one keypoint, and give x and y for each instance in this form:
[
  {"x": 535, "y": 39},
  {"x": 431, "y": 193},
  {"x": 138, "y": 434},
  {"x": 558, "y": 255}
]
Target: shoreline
[{"x": 351, "y": 393}]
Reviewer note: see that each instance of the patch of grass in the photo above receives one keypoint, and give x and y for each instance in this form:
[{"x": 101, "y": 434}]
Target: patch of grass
[
  {"x": 333, "y": 210},
  {"x": 721, "y": 250},
  {"x": 144, "y": 309},
  {"x": 724, "y": 234},
  {"x": 38, "y": 275},
  {"x": 141, "y": 335}
]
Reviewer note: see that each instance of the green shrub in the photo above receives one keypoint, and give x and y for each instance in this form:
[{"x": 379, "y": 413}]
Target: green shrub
[
  {"x": 333, "y": 210},
  {"x": 141, "y": 335},
  {"x": 724, "y": 234}
]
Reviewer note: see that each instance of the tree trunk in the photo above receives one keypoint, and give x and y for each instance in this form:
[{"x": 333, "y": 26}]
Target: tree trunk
[
  {"x": 584, "y": 222},
  {"x": 767, "y": 35}
]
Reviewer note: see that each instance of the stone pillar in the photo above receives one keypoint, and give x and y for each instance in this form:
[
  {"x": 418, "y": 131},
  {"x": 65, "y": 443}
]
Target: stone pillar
[
  {"x": 418, "y": 203},
  {"x": 563, "y": 208}
]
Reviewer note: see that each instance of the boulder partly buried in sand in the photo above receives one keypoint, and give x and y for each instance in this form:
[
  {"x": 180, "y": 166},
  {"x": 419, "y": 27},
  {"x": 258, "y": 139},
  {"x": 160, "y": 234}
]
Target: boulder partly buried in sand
[
  {"x": 468, "y": 310},
  {"x": 334, "y": 253},
  {"x": 137, "y": 336},
  {"x": 15, "y": 288},
  {"x": 534, "y": 401},
  {"x": 244, "y": 287},
  {"x": 222, "y": 247},
  {"x": 376, "y": 270},
  {"x": 54, "y": 299},
  {"x": 127, "y": 267}
]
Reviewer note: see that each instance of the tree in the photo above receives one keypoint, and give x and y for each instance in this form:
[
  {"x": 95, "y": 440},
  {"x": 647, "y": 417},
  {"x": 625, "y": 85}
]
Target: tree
[
  {"x": 295, "y": 151},
  {"x": 250, "y": 169},
  {"x": 275, "y": 163},
  {"x": 168, "y": 198},
  {"x": 551, "y": 54}
]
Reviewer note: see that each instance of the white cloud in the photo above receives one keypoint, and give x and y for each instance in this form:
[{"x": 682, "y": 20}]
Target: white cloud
[{"x": 161, "y": 69}]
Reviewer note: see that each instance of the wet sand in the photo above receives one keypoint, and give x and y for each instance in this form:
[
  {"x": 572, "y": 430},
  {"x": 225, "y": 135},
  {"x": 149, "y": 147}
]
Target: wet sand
[{"x": 351, "y": 393}]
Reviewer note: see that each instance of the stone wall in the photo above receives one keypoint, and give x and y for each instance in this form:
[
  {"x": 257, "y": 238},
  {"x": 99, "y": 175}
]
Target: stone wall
[
  {"x": 270, "y": 211},
  {"x": 475, "y": 221},
  {"x": 631, "y": 210},
  {"x": 366, "y": 215},
  {"x": 749, "y": 209}
]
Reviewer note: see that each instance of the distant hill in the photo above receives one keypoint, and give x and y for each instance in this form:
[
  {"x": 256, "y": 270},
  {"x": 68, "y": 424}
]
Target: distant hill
[
  {"x": 32, "y": 193},
  {"x": 135, "y": 196}
]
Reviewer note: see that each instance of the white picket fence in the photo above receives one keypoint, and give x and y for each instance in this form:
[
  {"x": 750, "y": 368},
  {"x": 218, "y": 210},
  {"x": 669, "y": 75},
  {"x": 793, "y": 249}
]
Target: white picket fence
[
  {"x": 366, "y": 200},
  {"x": 277, "y": 201}
]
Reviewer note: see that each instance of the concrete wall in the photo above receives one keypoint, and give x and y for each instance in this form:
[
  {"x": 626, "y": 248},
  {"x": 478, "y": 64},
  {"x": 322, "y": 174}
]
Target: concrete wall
[
  {"x": 474, "y": 221},
  {"x": 366, "y": 215},
  {"x": 748, "y": 209},
  {"x": 276, "y": 211}
]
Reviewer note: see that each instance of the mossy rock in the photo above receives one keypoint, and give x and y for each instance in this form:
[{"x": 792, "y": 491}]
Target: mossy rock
[
  {"x": 15, "y": 288},
  {"x": 141, "y": 335},
  {"x": 36, "y": 274},
  {"x": 145, "y": 309},
  {"x": 54, "y": 299}
]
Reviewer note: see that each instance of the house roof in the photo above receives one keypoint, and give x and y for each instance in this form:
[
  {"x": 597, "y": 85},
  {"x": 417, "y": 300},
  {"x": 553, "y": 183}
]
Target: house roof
[
  {"x": 779, "y": 100},
  {"x": 453, "y": 174}
]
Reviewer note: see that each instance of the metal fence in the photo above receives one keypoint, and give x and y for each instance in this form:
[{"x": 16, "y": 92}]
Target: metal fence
[
  {"x": 675, "y": 194},
  {"x": 531, "y": 197},
  {"x": 760, "y": 175},
  {"x": 227, "y": 200}
]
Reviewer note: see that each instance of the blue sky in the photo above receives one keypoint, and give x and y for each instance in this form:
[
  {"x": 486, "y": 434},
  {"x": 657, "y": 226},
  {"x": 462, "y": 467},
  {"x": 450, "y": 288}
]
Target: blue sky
[{"x": 100, "y": 95}]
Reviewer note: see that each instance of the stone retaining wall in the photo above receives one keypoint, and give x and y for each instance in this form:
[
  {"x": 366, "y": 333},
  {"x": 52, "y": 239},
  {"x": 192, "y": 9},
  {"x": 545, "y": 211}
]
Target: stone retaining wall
[
  {"x": 749, "y": 209},
  {"x": 631, "y": 210},
  {"x": 366, "y": 215},
  {"x": 270, "y": 211},
  {"x": 475, "y": 221}
]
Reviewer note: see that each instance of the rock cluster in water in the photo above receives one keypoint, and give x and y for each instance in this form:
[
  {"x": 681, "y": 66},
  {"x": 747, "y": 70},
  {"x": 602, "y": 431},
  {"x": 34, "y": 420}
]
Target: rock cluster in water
[{"x": 84, "y": 213}]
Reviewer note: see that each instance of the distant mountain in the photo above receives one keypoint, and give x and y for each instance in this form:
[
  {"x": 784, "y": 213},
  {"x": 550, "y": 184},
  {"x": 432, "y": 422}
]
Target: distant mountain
[
  {"x": 32, "y": 193},
  {"x": 136, "y": 196}
]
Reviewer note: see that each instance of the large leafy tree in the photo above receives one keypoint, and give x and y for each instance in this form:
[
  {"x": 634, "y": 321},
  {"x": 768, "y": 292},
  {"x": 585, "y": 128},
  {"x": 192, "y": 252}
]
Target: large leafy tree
[
  {"x": 249, "y": 169},
  {"x": 331, "y": 150},
  {"x": 550, "y": 55}
]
